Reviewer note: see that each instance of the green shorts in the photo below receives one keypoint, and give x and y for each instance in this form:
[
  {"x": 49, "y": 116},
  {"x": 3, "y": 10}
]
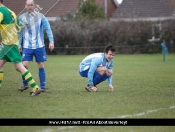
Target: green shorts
[{"x": 10, "y": 53}]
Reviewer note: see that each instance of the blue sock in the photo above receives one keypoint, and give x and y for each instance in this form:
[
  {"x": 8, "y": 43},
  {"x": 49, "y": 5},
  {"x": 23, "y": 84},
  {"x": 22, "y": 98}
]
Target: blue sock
[
  {"x": 42, "y": 77},
  {"x": 97, "y": 78},
  {"x": 104, "y": 77},
  {"x": 24, "y": 81}
]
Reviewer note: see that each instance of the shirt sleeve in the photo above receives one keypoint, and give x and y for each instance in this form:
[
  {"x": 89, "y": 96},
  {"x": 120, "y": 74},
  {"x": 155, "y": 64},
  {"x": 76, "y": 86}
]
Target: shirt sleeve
[
  {"x": 47, "y": 27},
  {"x": 111, "y": 68},
  {"x": 20, "y": 32},
  {"x": 94, "y": 64}
]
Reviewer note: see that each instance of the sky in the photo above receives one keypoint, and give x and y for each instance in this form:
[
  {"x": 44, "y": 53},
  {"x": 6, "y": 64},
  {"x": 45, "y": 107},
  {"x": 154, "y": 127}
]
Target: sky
[{"x": 119, "y": 1}]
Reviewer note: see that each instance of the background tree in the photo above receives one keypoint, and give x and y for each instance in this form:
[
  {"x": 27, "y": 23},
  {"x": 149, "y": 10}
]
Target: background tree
[{"x": 89, "y": 10}]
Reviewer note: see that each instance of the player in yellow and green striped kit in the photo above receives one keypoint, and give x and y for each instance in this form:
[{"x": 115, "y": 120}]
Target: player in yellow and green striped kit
[{"x": 9, "y": 27}]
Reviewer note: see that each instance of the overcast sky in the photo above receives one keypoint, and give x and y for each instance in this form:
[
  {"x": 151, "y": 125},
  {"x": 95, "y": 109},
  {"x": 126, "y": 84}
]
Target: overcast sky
[{"x": 119, "y": 1}]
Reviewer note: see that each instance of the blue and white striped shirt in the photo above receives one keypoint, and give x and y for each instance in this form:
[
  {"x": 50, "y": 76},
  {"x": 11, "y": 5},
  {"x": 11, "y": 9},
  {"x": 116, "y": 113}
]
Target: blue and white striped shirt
[
  {"x": 32, "y": 35},
  {"x": 92, "y": 62}
]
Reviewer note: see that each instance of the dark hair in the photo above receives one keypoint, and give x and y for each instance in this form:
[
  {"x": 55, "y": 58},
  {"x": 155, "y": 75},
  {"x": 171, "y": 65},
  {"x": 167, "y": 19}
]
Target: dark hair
[
  {"x": 109, "y": 47},
  {"x": 1, "y": 1}
]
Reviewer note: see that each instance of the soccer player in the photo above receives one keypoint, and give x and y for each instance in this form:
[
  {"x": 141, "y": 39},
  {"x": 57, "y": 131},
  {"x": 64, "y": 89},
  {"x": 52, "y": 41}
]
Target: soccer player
[
  {"x": 97, "y": 67},
  {"x": 9, "y": 51},
  {"x": 32, "y": 41},
  {"x": 164, "y": 51}
]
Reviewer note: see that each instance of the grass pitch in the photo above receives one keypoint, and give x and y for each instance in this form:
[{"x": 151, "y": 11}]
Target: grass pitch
[{"x": 144, "y": 87}]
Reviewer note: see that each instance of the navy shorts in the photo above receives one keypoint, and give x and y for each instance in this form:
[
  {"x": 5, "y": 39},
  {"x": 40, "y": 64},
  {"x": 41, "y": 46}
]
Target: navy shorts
[
  {"x": 39, "y": 54},
  {"x": 84, "y": 73}
]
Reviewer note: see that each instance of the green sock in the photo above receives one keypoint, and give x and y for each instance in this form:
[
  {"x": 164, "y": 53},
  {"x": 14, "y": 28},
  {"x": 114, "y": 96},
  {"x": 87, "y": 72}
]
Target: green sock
[{"x": 28, "y": 77}]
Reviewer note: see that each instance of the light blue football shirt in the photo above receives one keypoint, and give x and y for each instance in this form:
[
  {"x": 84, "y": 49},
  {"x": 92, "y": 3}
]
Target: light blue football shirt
[
  {"x": 32, "y": 36},
  {"x": 92, "y": 62}
]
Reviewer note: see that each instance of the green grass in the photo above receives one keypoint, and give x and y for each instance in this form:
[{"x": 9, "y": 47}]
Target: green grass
[{"x": 141, "y": 82}]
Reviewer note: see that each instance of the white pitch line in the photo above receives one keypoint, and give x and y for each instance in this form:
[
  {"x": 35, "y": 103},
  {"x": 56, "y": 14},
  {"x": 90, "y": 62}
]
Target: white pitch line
[
  {"x": 46, "y": 130},
  {"x": 122, "y": 116},
  {"x": 64, "y": 128},
  {"x": 144, "y": 113}
]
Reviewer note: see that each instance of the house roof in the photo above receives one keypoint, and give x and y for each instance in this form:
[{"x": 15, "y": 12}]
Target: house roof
[
  {"x": 144, "y": 10},
  {"x": 16, "y": 6},
  {"x": 51, "y": 8}
]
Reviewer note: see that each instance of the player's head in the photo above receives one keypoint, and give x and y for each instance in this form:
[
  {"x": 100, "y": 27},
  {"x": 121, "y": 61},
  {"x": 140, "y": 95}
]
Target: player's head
[
  {"x": 30, "y": 6},
  {"x": 109, "y": 52},
  {"x": 1, "y": 1}
]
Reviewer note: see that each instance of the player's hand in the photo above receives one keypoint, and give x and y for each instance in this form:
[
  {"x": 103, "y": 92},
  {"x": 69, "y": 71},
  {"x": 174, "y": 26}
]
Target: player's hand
[
  {"x": 110, "y": 88},
  {"x": 20, "y": 48},
  {"x": 51, "y": 46}
]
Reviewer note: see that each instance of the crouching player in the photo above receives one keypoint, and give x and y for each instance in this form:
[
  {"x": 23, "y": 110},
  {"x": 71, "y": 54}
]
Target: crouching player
[{"x": 97, "y": 67}]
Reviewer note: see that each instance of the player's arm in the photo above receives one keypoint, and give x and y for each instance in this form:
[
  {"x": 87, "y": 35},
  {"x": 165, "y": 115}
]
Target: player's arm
[
  {"x": 20, "y": 32},
  {"x": 48, "y": 30},
  {"x": 110, "y": 87},
  {"x": 1, "y": 17}
]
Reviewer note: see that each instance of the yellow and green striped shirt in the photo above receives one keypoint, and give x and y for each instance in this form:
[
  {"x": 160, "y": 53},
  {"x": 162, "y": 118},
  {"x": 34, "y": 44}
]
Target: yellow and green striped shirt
[{"x": 9, "y": 26}]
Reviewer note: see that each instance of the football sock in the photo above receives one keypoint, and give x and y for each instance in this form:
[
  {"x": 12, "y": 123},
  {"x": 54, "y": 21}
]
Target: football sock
[
  {"x": 28, "y": 77},
  {"x": 104, "y": 77},
  {"x": 97, "y": 78},
  {"x": 24, "y": 81},
  {"x": 42, "y": 77},
  {"x": 1, "y": 77}
]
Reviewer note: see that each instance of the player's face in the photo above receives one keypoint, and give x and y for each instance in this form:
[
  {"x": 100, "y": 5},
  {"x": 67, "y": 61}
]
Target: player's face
[
  {"x": 30, "y": 6},
  {"x": 110, "y": 55}
]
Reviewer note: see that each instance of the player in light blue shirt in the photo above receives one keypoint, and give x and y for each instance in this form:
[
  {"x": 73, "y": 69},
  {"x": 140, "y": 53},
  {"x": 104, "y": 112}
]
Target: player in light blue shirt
[
  {"x": 31, "y": 39},
  {"x": 97, "y": 67}
]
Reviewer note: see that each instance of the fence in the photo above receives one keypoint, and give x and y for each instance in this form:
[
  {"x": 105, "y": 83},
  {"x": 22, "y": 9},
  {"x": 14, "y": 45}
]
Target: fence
[{"x": 121, "y": 49}]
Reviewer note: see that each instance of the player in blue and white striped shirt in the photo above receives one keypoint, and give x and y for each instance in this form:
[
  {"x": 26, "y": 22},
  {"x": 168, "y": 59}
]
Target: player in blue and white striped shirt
[
  {"x": 97, "y": 67},
  {"x": 32, "y": 41}
]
